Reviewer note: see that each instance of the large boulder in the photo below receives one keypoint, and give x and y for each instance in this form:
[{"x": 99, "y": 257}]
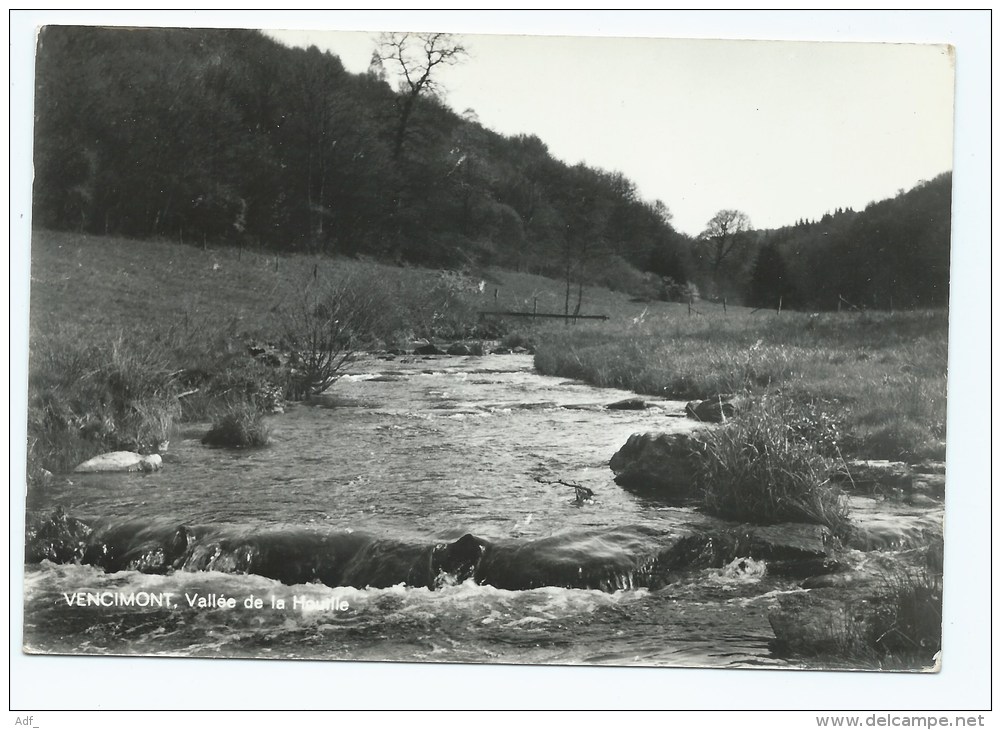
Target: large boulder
[
  {"x": 661, "y": 462},
  {"x": 121, "y": 461}
]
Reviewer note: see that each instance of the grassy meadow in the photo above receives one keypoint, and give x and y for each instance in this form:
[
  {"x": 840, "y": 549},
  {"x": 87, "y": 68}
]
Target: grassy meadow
[{"x": 870, "y": 384}]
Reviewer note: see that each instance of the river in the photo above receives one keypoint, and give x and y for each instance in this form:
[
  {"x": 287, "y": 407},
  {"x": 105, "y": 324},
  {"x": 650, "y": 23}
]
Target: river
[{"x": 352, "y": 536}]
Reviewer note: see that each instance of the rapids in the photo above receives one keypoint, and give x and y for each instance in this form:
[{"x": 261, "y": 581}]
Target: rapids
[{"x": 409, "y": 513}]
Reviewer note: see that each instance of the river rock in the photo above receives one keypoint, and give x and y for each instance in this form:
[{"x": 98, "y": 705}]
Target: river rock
[
  {"x": 818, "y": 622},
  {"x": 266, "y": 354},
  {"x": 786, "y": 541},
  {"x": 912, "y": 483},
  {"x": 56, "y": 537},
  {"x": 791, "y": 550},
  {"x": 428, "y": 349},
  {"x": 929, "y": 466},
  {"x": 928, "y": 484},
  {"x": 121, "y": 461},
  {"x": 629, "y": 404},
  {"x": 465, "y": 349},
  {"x": 897, "y": 532},
  {"x": 716, "y": 409},
  {"x": 889, "y": 603},
  {"x": 664, "y": 462}
]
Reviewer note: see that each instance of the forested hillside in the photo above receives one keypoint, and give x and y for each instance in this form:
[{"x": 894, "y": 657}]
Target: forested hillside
[
  {"x": 228, "y": 137},
  {"x": 895, "y": 253}
]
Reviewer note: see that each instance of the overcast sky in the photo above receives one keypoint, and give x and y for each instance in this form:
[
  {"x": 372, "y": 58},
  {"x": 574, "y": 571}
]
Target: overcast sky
[{"x": 780, "y": 130}]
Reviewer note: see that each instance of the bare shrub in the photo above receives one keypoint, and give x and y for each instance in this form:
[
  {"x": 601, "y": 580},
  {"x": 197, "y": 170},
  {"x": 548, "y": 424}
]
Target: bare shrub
[
  {"x": 442, "y": 306},
  {"x": 322, "y": 328}
]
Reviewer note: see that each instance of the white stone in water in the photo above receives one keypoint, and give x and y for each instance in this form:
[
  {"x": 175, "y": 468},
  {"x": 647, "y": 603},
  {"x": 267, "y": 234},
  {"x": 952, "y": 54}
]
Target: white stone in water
[{"x": 121, "y": 461}]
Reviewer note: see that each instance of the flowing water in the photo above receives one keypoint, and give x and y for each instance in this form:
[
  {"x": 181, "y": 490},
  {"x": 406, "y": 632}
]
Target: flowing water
[{"x": 414, "y": 512}]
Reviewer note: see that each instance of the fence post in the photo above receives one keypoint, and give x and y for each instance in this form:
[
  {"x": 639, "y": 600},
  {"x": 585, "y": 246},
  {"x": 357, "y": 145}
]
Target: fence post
[
  {"x": 724, "y": 305},
  {"x": 839, "y": 302},
  {"x": 689, "y": 305},
  {"x": 780, "y": 305},
  {"x": 535, "y": 307}
]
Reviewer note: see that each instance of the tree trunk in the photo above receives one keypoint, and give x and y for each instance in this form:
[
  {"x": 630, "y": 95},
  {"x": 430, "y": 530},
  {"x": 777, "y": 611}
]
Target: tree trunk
[{"x": 401, "y": 128}]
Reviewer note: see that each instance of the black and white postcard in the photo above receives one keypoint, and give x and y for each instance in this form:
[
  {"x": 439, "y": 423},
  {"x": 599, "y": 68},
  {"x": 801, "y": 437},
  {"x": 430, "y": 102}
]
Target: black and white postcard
[{"x": 451, "y": 348}]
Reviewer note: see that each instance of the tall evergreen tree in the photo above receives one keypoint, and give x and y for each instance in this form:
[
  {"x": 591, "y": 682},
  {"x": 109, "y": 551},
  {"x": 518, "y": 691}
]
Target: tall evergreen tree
[{"x": 770, "y": 280}]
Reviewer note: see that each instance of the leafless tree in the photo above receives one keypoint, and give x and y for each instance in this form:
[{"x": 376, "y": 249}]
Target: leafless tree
[
  {"x": 415, "y": 56},
  {"x": 322, "y": 325},
  {"x": 722, "y": 233}
]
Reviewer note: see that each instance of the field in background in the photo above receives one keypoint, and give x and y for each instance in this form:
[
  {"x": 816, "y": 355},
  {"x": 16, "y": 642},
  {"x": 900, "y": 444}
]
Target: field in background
[
  {"x": 120, "y": 327},
  {"x": 102, "y": 284},
  {"x": 868, "y": 384}
]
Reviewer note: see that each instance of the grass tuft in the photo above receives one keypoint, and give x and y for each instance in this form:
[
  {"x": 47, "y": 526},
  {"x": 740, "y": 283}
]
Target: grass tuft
[
  {"x": 757, "y": 469},
  {"x": 242, "y": 427},
  {"x": 85, "y": 398}
]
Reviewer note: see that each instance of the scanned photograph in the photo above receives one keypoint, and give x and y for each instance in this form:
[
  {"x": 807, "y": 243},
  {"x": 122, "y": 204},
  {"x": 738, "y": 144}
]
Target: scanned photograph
[{"x": 424, "y": 347}]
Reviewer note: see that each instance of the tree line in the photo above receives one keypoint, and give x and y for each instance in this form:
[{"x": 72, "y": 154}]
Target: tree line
[{"x": 229, "y": 137}]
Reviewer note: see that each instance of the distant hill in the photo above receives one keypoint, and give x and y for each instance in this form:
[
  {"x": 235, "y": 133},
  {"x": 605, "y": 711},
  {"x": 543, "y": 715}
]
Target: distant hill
[
  {"x": 228, "y": 137},
  {"x": 893, "y": 254}
]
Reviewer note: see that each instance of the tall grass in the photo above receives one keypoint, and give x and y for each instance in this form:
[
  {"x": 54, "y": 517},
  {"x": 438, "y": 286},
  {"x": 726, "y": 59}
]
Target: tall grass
[
  {"x": 85, "y": 398},
  {"x": 756, "y": 469}
]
